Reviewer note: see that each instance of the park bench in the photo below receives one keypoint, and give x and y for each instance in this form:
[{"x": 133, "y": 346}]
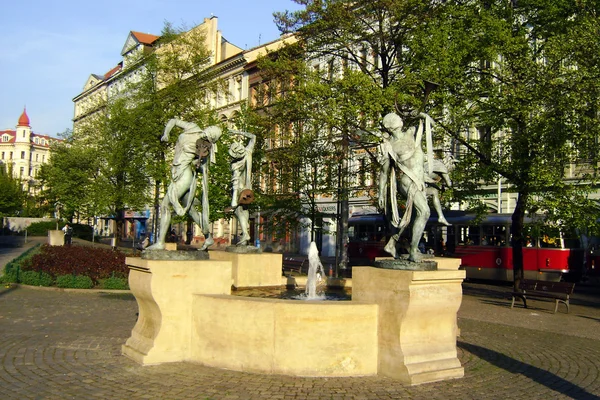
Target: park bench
[
  {"x": 293, "y": 264},
  {"x": 559, "y": 291}
]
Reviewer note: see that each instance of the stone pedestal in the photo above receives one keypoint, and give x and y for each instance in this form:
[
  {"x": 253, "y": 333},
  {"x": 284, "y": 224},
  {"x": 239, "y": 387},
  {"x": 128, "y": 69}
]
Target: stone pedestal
[
  {"x": 56, "y": 238},
  {"x": 417, "y": 321},
  {"x": 164, "y": 292},
  {"x": 252, "y": 269}
]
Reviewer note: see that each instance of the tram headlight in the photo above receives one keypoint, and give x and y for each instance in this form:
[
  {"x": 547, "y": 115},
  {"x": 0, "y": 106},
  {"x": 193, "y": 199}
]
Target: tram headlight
[{"x": 547, "y": 262}]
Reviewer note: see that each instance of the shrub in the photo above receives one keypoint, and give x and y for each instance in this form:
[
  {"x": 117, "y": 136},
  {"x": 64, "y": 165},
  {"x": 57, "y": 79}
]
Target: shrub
[
  {"x": 35, "y": 278},
  {"x": 74, "y": 282},
  {"x": 10, "y": 277},
  {"x": 14, "y": 268},
  {"x": 81, "y": 231},
  {"x": 114, "y": 283},
  {"x": 41, "y": 228}
]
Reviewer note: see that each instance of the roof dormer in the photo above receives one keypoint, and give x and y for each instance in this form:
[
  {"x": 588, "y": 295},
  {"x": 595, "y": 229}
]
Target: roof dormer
[
  {"x": 137, "y": 42},
  {"x": 92, "y": 81}
]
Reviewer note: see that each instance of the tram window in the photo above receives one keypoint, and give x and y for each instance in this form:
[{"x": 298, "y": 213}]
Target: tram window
[
  {"x": 550, "y": 237},
  {"x": 572, "y": 243},
  {"x": 488, "y": 238},
  {"x": 468, "y": 235},
  {"x": 365, "y": 232},
  {"x": 379, "y": 232},
  {"x": 451, "y": 242},
  {"x": 549, "y": 241},
  {"x": 500, "y": 233},
  {"x": 351, "y": 232}
]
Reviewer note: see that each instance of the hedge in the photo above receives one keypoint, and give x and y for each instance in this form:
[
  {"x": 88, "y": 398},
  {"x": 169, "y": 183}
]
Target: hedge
[{"x": 81, "y": 231}]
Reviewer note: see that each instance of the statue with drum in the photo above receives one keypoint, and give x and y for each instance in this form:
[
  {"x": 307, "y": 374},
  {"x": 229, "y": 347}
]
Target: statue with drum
[
  {"x": 241, "y": 180},
  {"x": 194, "y": 150}
]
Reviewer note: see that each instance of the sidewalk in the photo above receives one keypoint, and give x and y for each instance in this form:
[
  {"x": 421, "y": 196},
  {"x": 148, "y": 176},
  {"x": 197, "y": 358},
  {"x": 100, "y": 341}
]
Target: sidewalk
[{"x": 8, "y": 254}]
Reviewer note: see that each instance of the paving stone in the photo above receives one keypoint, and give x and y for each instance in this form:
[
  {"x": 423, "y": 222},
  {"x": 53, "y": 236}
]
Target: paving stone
[{"x": 56, "y": 344}]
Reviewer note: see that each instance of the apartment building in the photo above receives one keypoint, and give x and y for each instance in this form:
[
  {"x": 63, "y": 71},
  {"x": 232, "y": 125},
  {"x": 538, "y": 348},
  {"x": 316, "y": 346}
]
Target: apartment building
[{"x": 24, "y": 152}]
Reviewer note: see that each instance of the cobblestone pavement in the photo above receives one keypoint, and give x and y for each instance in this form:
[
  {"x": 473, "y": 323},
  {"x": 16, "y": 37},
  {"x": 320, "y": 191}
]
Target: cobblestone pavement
[{"x": 59, "y": 344}]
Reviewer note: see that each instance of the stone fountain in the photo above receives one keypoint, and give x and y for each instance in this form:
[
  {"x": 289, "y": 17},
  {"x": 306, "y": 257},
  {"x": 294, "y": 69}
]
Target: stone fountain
[{"x": 400, "y": 323}]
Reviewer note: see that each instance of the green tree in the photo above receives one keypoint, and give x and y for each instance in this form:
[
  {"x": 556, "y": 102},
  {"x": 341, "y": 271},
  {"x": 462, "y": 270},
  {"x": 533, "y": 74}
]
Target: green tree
[
  {"x": 69, "y": 177},
  {"x": 12, "y": 196},
  {"x": 517, "y": 77}
]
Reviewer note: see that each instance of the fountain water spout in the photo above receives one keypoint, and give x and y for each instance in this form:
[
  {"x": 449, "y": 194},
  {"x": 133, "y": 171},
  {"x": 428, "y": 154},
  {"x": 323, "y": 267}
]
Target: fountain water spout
[{"x": 315, "y": 272}]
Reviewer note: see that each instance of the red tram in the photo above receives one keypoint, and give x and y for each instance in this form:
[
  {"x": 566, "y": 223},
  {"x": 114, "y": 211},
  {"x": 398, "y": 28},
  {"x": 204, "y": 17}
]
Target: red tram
[{"x": 483, "y": 247}]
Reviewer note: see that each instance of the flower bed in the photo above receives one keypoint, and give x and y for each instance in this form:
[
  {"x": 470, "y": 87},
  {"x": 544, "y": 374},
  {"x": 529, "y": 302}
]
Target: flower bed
[{"x": 74, "y": 266}]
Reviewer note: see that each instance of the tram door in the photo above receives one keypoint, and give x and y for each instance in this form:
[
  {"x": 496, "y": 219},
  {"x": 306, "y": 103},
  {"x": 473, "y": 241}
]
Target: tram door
[{"x": 437, "y": 239}]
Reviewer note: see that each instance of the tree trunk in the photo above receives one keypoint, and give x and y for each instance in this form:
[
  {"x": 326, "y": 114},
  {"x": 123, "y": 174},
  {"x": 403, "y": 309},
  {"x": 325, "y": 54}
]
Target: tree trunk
[
  {"x": 189, "y": 230},
  {"x": 155, "y": 220},
  {"x": 344, "y": 207},
  {"x": 517, "y": 230},
  {"x": 119, "y": 223}
]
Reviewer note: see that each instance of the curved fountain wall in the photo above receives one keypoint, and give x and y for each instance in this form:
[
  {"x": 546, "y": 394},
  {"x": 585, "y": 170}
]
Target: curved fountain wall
[{"x": 291, "y": 337}]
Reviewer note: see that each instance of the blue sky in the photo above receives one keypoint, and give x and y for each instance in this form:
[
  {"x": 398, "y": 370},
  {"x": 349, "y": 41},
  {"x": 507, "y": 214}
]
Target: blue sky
[{"x": 48, "y": 49}]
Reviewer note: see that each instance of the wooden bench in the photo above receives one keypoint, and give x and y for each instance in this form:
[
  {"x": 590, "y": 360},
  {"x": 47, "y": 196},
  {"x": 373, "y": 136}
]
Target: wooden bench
[
  {"x": 559, "y": 291},
  {"x": 293, "y": 264}
]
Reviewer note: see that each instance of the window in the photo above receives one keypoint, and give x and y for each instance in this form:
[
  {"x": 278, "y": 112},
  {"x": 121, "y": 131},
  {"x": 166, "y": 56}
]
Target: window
[
  {"x": 22, "y": 155},
  {"x": 3, "y": 155},
  {"x": 239, "y": 89},
  {"x": 21, "y": 172},
  {"x": 36, "y": 140},
  {"x": 37, "y": 157},
  {"x": 10, "y": 155},
  {"x": 485, "y": 140},
  {"x": 5, "y": 138},
  {"x": 362, "y": 168},
  {"x": 363, "y": 57},
  {"x": 43, "y": 158}
]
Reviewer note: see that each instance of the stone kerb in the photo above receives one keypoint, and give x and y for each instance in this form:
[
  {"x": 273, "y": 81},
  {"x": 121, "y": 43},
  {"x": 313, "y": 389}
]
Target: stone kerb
[{"x": 163, "y": 291}]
